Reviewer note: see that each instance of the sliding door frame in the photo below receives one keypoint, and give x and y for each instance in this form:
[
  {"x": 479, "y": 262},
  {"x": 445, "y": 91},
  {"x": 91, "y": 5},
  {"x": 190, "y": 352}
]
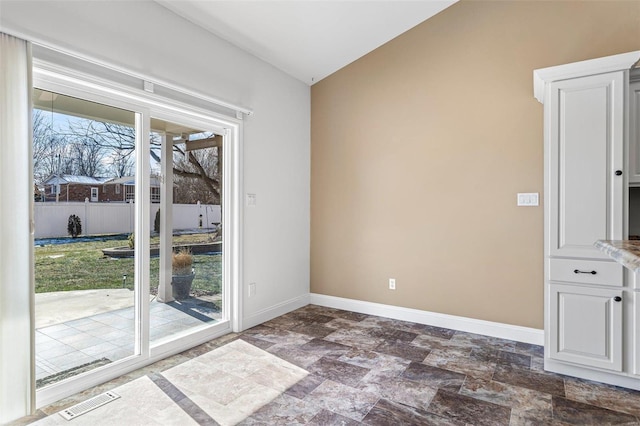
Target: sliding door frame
[{"x": 59, "y": 79}]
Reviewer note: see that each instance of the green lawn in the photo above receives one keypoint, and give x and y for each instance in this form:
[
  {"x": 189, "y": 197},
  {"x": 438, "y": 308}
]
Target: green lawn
[{"x": 82, "y": 266}]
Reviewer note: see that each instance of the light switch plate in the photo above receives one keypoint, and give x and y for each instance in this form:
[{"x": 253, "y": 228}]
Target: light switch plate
[
  {"x": 528, "y": 199},
  {"x": 251, "y": 200}
]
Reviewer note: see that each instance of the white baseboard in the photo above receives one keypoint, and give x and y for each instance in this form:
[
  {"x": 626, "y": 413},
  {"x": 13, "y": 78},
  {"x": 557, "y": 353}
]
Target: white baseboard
[
  {"x": 488, "y": 328},
  {"x": 275, "y": 311}
]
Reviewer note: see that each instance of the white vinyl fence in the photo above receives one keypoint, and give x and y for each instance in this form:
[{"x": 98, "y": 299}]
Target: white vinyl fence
[{"x": 113, "y": 218}]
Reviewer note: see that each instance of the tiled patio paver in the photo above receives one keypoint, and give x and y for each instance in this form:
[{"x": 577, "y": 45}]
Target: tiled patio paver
[{"x": 109, "y": 336}]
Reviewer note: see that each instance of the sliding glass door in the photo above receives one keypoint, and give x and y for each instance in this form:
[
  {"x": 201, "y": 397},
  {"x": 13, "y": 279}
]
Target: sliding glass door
[
  {"x": 186, "y": 273},
  {"x": 131, "y": 259},
  {"x": 84, "y": 274}
]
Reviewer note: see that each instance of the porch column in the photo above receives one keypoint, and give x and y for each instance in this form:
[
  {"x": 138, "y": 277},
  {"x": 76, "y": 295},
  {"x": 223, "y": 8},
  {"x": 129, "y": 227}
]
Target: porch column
[{"x": 166, "y": 219}]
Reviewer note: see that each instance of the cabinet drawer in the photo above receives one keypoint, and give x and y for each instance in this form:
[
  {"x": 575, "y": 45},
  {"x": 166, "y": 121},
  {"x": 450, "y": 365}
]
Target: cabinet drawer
[{"x": 582, "y": 271}]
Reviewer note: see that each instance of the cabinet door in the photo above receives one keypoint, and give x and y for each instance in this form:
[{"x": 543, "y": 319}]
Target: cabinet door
[
  {"x": 586, "y": 326},
  {"x": 634, "y": 133},
  {"x": 585, "y": 138},
  {"x": 635, "y": 327}
]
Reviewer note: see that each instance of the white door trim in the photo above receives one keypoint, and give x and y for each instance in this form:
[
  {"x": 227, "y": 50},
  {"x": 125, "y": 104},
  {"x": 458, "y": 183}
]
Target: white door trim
[{"x": 56, "y": 78}]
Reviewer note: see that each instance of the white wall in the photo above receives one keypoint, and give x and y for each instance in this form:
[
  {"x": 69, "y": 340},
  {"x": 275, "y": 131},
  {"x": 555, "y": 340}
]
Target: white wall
[{"x": 146, "y": 38}]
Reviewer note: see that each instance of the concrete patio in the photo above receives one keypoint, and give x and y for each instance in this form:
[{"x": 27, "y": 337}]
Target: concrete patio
[{"x": 78, "y": 331}]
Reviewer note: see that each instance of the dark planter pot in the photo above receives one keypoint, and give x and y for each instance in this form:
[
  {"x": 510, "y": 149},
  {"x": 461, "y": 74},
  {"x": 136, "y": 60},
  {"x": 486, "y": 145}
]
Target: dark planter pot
[{"x": 181, "y": 285}]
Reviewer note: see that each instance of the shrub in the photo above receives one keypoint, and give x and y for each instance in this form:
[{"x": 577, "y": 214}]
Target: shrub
[
  {"x": 132, "y": 240},
  {"x": 74, "y": 226}
]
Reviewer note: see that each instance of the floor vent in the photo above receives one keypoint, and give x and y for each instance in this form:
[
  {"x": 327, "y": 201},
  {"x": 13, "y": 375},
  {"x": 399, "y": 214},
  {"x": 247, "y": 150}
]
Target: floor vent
[{"x": 88, "y": 405}]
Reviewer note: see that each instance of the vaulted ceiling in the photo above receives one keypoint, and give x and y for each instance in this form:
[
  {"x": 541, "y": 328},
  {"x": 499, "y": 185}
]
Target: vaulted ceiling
[{"x": 307, "y": 39}]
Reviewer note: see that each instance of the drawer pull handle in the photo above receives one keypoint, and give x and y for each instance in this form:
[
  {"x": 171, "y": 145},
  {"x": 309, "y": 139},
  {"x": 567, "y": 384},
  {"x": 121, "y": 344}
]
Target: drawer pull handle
[
  {"x": 618, "y": 299},
  {"x": 577, "y": 271}
]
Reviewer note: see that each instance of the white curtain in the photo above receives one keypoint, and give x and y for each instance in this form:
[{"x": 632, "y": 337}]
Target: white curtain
[{"x": 16, "y": 239}]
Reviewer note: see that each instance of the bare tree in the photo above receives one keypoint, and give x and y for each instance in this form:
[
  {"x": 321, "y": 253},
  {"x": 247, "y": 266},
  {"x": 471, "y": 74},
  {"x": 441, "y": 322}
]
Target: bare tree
[
  {"x": 69, "y": 152},
  {"x": 120, "y": 163},
  {"x": 87, "y": 158},
  {"x": 197, "y": 176},
  {"x": 93, "y": 148},
  {"x": 102, "y": 147},
  {"x": 41, "y": 144},
  {"x": 50, "y": 154}
]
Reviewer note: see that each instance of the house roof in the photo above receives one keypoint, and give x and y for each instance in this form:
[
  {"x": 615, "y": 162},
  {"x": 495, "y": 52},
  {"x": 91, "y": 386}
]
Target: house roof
[
  {"x": 73, "y": 179},
  {"x": 131, "y": 180}
]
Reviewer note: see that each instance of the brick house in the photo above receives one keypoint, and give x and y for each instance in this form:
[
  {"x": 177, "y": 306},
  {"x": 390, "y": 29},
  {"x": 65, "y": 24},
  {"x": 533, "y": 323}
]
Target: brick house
[
  {"x": 95, "y": 189},
  {"x": 123, "y": 189},
  {"x": 74, "y": 188}
]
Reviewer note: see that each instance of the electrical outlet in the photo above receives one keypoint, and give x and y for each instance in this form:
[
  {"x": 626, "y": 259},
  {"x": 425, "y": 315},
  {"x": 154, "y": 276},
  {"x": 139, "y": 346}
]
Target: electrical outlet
[
  {"x": 252, "y": 289},
  {"x": 392, "y": 283}
]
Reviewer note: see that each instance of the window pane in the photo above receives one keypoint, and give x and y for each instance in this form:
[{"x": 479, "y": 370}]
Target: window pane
[
  {"x": 84, "y": 274},
  {"x": 189, "y": 293}
]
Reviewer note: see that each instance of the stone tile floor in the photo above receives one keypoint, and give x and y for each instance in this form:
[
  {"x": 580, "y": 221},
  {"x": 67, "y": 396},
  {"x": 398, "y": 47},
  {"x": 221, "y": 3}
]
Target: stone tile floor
[
  {"x": 62, "y": 349},
  {"x": 322, "y": 366}
]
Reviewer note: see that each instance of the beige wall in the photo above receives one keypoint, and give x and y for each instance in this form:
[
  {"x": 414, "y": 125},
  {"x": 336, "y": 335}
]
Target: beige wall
[{"x": 419, "y": 148}]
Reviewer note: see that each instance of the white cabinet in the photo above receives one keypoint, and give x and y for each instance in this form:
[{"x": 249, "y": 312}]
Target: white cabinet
[
  {"x": 585, "y": 147},
  {"x": 587, "y": 326},
  {"x": 635, "y": 319},
  {"x": 634, "y": 131},
  {"x": 585, "y": 193}
]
